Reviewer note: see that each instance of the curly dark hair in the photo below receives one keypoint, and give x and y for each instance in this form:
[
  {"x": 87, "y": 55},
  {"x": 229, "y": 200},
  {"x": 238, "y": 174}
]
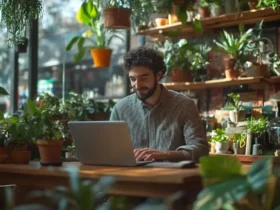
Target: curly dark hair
[{"x": 146, "y": 57}]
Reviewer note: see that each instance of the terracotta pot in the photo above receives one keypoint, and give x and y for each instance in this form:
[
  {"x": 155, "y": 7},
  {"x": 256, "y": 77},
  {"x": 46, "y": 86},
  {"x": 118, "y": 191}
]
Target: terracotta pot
[
  {"x": 161, "y": 21},
  {"x": 253, "y": 4},
  {"x": 20, "y": 157},
  {"x": 50, "y": 152},
  {"x": 204, "y": 12},
  {"x": 229, "y": 62},
  {"x": 231, "y": 74},
  {"x": 258, "y": 70},
  {"x": 99, "y": 116},
  {"x": 179, "y": 75},
  {"x": 101, "y": 57},
  {"x": 116, "y": 18}
]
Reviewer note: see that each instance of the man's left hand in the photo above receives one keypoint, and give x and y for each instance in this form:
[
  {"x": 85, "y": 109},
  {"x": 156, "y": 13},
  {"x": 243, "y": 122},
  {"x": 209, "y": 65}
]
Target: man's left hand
[{"x": 147, "y": 154}]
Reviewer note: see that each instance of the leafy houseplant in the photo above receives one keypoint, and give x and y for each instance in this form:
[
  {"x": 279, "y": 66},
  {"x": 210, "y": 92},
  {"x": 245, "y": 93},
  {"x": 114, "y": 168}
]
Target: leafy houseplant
[
  {"x": 176, "y": 60},
  {"x": 274, "y": 4},
  {"x": 101, "y": 53},
  {"x": 236, "y": 113},
  {"x": 17, "y": 15},
  {"x": 239, "y": 141},
  {"x": 257, "y": 126},
  {"x": 274, "y": 63},
  {"x": 221, "y": 140},
  {"x": 97, "y": 110},
  {"x": 200, "y": 61},
  {"x": 227, "y": 186},
  {"x": 234, "y": 47},
  {"x": 204, "y": 9}
]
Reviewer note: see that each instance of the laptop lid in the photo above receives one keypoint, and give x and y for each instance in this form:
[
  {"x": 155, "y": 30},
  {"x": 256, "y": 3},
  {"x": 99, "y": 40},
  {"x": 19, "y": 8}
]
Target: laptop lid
[{"x": 102, "y": 143}]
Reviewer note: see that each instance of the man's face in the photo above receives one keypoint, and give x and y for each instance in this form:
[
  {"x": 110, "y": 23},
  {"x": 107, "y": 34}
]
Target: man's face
[{"x": 143, "y": 81}]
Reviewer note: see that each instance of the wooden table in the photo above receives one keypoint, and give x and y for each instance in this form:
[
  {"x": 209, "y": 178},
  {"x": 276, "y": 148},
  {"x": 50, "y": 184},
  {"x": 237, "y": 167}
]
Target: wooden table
[{"x": 130, "y": 181}]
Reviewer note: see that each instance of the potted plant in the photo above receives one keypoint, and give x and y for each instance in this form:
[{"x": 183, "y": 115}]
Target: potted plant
[
  {"x": 98, "y": 36},
  {"x": 221, "y": 140},
  {"x": 18, "y": 133},
  {"x": 199, "y": 62},
  {"x": 17, "y": 15},
  {"x": 234, "y": 47},
  {"x": 204, "y": 9},
  {"x": 239, "y": 142},
  {"x": 116, "y": 14},
  {"x": 274, "y": 63},
  {"x": 257, "y": 127},
  {"x": 236, "y": 114},
  {"x": 77, "y": 106},
  {"x": 253, "y": 4},
  {"x": 216, "y": 8},
  {"x": 69, "y": 152},
  {"x": 176, "y": 60}
]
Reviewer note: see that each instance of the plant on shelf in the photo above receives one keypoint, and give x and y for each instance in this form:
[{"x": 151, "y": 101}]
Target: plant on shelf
[
  {"x": 17, "y": 15},
  {"x": 236, "y": 103},
  {"x": 216, "y": 7},
  {"x": 257, "y": 126},
  {"x": 221, "y": 140},
  {"x": 239, "y": 142},
  {"x": 99, "y": 37},
  {"x": 234, "y": 47},
  {"x": 77, "y": 106},
  {"x": 176, "y": 60},
  {"x": 228, "y": 186},
  {"x": 97, "y": 110},
  {"x": 274, "y": 63},
  {"x": 199, "y": 62},
  {"x": 204, "y": 9},
  {"x": 274, "y": 4}
]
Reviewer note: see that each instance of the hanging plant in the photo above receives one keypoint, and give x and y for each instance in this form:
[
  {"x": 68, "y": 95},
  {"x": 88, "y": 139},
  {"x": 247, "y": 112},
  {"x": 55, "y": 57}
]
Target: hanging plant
[{"x": 17, "y": 14}]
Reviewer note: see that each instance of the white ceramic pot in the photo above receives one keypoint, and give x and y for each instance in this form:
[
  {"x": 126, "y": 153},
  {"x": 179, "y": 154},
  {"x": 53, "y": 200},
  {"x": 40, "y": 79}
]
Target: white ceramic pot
[
  {"x": 216, "y": 10},
  {"x": 233, "y": 116},
  {"x": 68, "y": 155},
  {"x": 221, "y": 147}
]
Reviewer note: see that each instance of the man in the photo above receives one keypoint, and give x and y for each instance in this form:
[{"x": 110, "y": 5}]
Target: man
[{"x": 164, "y": 125}]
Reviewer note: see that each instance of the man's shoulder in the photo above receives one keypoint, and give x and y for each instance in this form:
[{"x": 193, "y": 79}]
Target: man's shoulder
[
  {"x": 126, "y": 102},
  {"x": 179, "y": 97}
]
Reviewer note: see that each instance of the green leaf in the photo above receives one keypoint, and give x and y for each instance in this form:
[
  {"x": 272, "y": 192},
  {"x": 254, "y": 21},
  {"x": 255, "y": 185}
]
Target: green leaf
[
  {"x": 198, "y": 26},
  {"x": 3, "y": 91},
  {"x": 259, "y": 174},
  {"x": 181, "y": 14},
  {"x": 81, "y": 43},
  {"x": 219, "y": 168},
  {"x": 78, "y": 57},
  {"x": 82, "y": 14},
  {"x": 31, "y": 106},
  {"x": 215, "y": 196},
  {"x": 1, "y": 115},
  {"x": 72, "y": 42}
]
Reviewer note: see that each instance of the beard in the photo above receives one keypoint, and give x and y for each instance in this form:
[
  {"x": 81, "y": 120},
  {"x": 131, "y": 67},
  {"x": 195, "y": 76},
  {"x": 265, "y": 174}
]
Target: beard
[{"x": 144, "y": 96}]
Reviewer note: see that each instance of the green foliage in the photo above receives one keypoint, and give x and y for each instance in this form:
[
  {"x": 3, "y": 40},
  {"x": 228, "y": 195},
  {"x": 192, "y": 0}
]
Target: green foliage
[
  {"x": 274, "y": 63},
  {"x": 16, "y": 15},
  {"x": 231, "y": 185},
  {"x": 232, "y": 45},
  {"x": 205, "y": 3},
  {"x": 236, "y": 103},
  {"x": 77, "y": 106},
  {"x": 257, "y": 126},
  {"x": 274, "y": 4},
  {"x": 97, "y": 35},
  {"x": 3, "y": 91},
  {"x": 97, "y": 106},
  {"x": 219, "y": 135},
  {"x": 199, "y": 59},
  {"x": 176, "y": 55}
]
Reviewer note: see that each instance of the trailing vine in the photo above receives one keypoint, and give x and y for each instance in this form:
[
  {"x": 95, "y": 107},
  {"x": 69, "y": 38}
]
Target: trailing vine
[{"x": 16, "y": 14}]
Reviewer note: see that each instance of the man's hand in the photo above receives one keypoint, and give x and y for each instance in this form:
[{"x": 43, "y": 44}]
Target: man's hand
[{"x": 147, "y": 154}]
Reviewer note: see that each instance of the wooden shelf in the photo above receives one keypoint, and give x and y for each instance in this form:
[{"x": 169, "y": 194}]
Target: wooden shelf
[
  {"x": 273, "y": 80},
  {"x": 222, "y": 21},
  {"x": 211, "y": 83}
]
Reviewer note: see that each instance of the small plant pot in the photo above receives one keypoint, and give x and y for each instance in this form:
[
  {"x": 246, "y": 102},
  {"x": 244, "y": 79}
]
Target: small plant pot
[
  {"x": 116, "y": 18},
  {"x": 68, "y": 155},
  {"x": 204, "y": 12},
  {"x": 253, "y": 4},
  {"x": 101, "y": 57},
  {"x": 99, "y": 116},
  {"x": 50, "y": 152},
  {"x": 21, "y": 47},
  {"x": 233, "y": 116},
  {"x": 258, "y": 70},
  {"x": 237, "y": 150},
  {"x": 221, "y": 147},
  {"x": 20, "y": 157},
  {"x": 216, "y": 10},
  {"x": 231, "y": 74},
  {"x": 229, "y": 62},
  {"x": 179, "y": 75},
  {"x": 161, "y": 21}
]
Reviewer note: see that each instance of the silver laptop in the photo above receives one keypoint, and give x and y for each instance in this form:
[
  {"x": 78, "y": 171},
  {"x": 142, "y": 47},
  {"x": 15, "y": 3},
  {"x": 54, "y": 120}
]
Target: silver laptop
[{"x": 103, "y": 143}]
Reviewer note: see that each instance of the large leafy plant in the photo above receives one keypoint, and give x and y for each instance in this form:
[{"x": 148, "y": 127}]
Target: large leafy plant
[
  {"x": 257, "y": 126},
  {"x": 227, "y": 186},
  {"x": 97, "y": 35},
  {"x": 176, "y": 55},
  {"x": 17, "y": 15},
  {"x": 274, "y": 4},
  {"x": 236, "y": 103}
]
